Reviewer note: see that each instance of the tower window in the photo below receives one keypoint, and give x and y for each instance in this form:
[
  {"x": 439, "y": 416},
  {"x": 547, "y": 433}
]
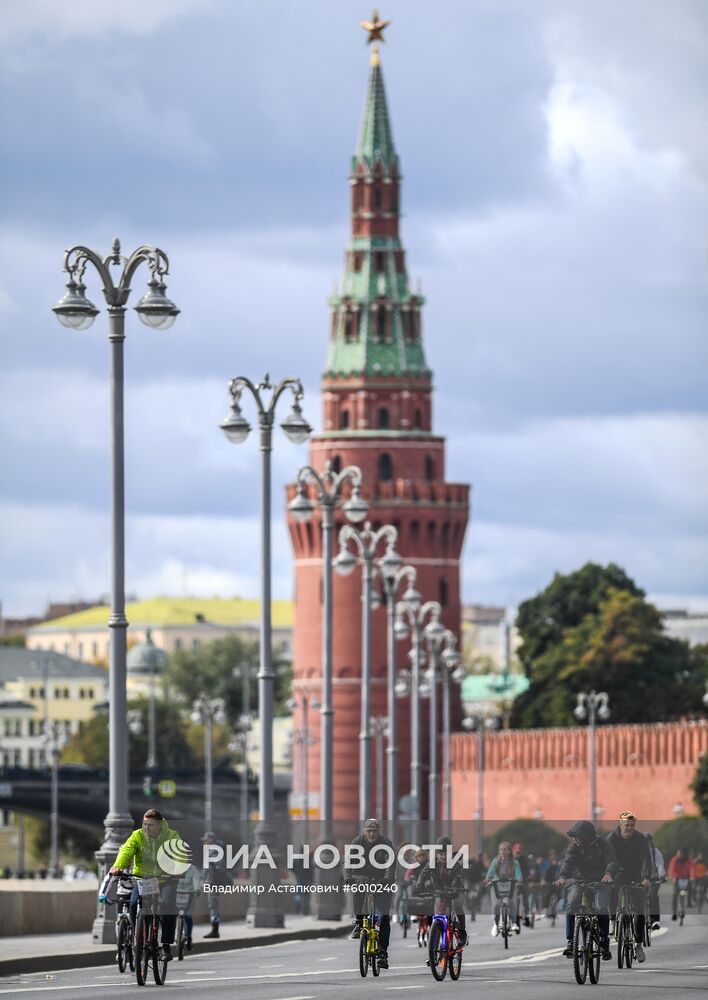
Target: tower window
[
  {"x": 383, "y": 418},
  {"x": 442, "y": 592},
  {"x": 418, "y": 419},
  {"x": 379, "y": 262},
  {"x": 377, "y": 198},
  {"x": 381, "y": 325},
  {"x": 385, "y": 467},
  {"x": 344, "y": 420},
  {"x": 429, "y": 468},
  {"x": 337, "y": 464}
]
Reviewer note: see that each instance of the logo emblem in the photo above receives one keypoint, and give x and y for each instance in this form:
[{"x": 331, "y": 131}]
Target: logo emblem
[{"x": 174, "y": 856}]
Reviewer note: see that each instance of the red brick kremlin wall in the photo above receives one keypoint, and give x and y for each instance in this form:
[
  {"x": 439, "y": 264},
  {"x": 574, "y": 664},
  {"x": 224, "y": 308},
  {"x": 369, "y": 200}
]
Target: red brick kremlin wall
[{"x": 644, "y": 768}]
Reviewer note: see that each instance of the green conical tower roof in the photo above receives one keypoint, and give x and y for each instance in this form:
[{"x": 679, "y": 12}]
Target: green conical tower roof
[
  {"x": 377, "y": 319},
  {"x": 375, "y": 136}
]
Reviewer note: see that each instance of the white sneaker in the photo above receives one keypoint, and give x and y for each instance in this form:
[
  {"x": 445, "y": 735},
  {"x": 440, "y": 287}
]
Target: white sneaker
[
  {"x": 495, "y": 930},
  {"x": 515, "y": 928},
  {"x": 640, "y": 954}
]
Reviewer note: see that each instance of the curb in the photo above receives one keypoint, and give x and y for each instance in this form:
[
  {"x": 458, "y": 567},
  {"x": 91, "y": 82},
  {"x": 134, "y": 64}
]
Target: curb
[{"x": 89, "y": 959}]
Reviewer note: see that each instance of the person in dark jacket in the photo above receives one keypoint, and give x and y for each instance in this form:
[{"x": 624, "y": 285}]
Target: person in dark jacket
[
  {"x": 634, "y": 857},
  {"x": 588, "y": 859},
  {"x": 438, "y": 878},
  {"x": 371, "y": 838}
]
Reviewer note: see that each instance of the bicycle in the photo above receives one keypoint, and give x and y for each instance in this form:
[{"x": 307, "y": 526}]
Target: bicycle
[
  {"x": 587, "y": 950},
  {"x": 422, "y": 922},
  {"x": 149, "y": 950},
  {"x": 701, "y": 892},
  {"x": 404, "y": 917},
  {"x": 624, "y": 924},
  {"x": 534, "y": 902},
  {"x": 369, "y": 940},
  {"x": 444, "y": 949},
  {"x": 682, "y": 885},
  {"x": 551, "y": 911},
  {"x": 504, "y": 890},
  {"x": 124, "y": 926},
  {"x": 184, "y": 905}
]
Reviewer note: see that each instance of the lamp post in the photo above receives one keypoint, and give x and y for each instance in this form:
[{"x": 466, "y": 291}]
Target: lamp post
[
  {"x": 366, "y": 542},
  {"x": 207, "y": 711},
  {"x": 75, "y": 311},
  {"x": 591, "y": 706},
  {"x": 239, "y": 744},
  {"x": 435, "y": 635},
  {"x": 452, "y": 672},
  {"x": 302, "y": 738},
  {"x": 413, "y": 620},
  {"x": 477, "y": 722},
  {"x": 54, "y": 739},
  {"x": 296, "y": 429},
  {"x": 328, "y": 488},
  {"x": 379, "y": 731}
]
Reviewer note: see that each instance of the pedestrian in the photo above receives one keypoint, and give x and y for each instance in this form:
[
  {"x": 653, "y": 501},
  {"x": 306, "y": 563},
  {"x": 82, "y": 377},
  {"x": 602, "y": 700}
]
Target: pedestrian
[{"x": 216, "y": 875}]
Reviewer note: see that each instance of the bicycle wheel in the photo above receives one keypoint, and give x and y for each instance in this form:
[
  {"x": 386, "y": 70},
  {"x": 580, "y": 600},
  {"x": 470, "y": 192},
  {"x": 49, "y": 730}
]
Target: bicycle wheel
[
  {"x": 504, "y": 927},
  {"x": 180, "y": 937},
  {"x": 159, "y": 964},
  {"x": 363, "y": 957},
  {"x": 405, "y": 923},
  {"x": 454, "y": 960},
  {"x": 142, "y": 948},
  {"x": 580, "y": 950},
  {"x": 620, "y": 944},
  {"x": 436, "y": 952},
  {"x": 594, "y": 954},
  {"x": 122, "y": 944},
  {"x": 628, "y": 946},
  {"x": 374, "y": 958}
]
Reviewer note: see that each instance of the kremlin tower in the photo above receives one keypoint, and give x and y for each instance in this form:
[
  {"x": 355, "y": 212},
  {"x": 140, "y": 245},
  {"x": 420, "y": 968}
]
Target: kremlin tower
[{"x": 377, "y": 414}]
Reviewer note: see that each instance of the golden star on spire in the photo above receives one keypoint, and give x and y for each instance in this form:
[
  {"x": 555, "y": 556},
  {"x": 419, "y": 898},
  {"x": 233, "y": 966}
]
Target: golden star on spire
[{"x": 375, "y": 27}]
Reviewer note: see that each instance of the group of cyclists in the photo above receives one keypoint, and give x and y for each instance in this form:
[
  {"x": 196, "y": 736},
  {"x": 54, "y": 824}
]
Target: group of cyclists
[{"x": 625, "y": 857}]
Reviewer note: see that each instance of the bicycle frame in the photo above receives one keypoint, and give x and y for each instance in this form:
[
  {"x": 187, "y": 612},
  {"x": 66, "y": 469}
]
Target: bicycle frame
[
  {"x": 369, "y": 939},
  {"x": 587, "y": 954},
  {"x": 444, "y": 926}
]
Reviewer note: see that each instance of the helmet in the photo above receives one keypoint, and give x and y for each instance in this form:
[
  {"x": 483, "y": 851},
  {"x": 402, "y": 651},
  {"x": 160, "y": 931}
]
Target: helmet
[{"x": 585, "y": 832}]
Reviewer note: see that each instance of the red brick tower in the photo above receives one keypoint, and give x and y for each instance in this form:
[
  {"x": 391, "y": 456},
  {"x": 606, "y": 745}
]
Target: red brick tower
[{"x": 377, "y": 395}]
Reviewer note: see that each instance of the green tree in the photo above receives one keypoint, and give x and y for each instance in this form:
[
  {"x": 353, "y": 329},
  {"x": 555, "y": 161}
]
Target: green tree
[
  {"x": 209, "y": 671},
  {"x": 76, "y": 846},
  {"x": 595, "y": 629},
  {"x": 536, "y": 836},
  {"x": 12, "y": 640},
  {"x": 173, "y": 746},
  {"x": 699, "y": 786},
  {"x": 689, "y": 832}
]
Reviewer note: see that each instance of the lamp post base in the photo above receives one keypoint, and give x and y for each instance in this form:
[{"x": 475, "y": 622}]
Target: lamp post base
[
  {"x": 117, "y": 830},
  {"x": 264, "y": 910},
  {"x": 329, "y": 903}
]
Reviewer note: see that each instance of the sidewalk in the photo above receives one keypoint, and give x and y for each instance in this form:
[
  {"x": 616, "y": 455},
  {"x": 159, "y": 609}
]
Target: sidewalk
[{"x": 49, "y": 952}]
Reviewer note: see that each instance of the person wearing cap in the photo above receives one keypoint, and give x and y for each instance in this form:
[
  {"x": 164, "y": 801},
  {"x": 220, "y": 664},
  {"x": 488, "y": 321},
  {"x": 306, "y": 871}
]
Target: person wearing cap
[
  {"x": 588, "y": 859},
  {"x": 439, "y": 878},
  {"x": 369, "y": 839},
  {"x": 633, "y": 855},
  {"x": 214, "y": 873}
]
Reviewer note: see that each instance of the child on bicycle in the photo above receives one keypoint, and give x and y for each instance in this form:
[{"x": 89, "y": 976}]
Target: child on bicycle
[
  {"x": 504, "y": 866},
  {"x": 438, "y": 878},
  {"x": 142, "y": 848},
  {"x": 588, "y": 859}
]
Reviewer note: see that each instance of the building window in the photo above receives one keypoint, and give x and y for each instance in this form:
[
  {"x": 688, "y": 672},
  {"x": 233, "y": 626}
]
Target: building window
[
  {"x": 31, "y": 693},
  {"x": 377, "y": 198},
  {"x": 82, "y": 693},
  {"x": 41, "y": 693},
  {"x": 337, "y": 464},
  {"x": 66, "y": 692},
  {"x": 348, "y": 326},
  {"x": 18, "y": 727},
  {"x": 442, "y": 592},
  {"x": 418, "y": 419},
  {"x": 57, "y": 692},
  {"x": 429, "y": 468},
  {"x": 385, "y": 467},
  {"x": 90, "y": 693},
  {"x": 383, "y": 419},
  {"x": 379, "y": 262},
  {"x": 31, "y": 731},
  {"x": 344, "y": 420},
  {"x": 178, "y": 643}
]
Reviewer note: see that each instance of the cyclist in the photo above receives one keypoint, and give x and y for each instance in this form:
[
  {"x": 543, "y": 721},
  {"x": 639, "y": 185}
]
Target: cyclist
[
  {"x": 141, "y": 848},
  {"x": 588, "y": 859},
  {"x": 679, "y": 868},
  {"x": 549, "y": 873},
  {"x": 371, "y": 838},
  {"x": 658, "y": 875},
  {"x": 534, "y": 897},
  {"x": 522, "y": 886},
  {"x": 699, "y": 874},
  {"x": 441, "y": 879},
  {"x": 504, "y": 866},
  {"x": 633, "y": 855},
  {"x": 190, "y": 882}
]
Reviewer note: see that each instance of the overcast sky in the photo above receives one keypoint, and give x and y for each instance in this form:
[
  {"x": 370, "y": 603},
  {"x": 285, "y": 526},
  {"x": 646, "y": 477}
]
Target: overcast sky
[{"x": 555, "y": 157}]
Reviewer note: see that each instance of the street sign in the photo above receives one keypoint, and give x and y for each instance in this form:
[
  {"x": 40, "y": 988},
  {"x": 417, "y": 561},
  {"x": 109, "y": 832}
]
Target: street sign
[{"x": 167, "y": 789}]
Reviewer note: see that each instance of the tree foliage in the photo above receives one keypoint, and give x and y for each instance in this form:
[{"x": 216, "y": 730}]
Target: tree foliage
[
  {"x": 536, "y": 836},
  {"x": 689, "y": 832},
  {"x": 699, "y": 786},
  {"x": 594, "y": 629},
  {"x": 174, "y": 750},
  {"x": 209, "y": 671}
]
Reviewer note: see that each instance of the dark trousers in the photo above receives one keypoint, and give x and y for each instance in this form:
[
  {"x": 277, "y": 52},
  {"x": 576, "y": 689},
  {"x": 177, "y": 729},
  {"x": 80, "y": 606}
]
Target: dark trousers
[
  {"x": 637, "y": 899},
  {"x": 382, "y": 905},
  {"x": 601, "y": 902},
  {"x": 168, "y": 909}
]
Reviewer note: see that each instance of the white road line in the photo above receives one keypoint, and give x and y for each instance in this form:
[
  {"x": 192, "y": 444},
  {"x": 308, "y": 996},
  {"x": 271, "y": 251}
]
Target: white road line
[
  {"x": 296, "y": 998},
  {"x": 330, "y": 958},
  {"x": 404, "y": 987},
  {"x": 278, "y": 966}
]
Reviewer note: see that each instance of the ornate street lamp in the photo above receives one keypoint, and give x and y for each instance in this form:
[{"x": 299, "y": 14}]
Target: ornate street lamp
[
  {"x": 208, "y": 711},
  {"x": 589, "y": 707},
  {"x": 75, "y": 311}
]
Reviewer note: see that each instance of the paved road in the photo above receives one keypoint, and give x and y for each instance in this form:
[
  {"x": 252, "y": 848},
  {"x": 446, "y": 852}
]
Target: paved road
[{"x": 327, "y": 969}]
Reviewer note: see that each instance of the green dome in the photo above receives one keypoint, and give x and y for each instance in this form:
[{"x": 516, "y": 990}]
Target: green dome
[{"x": 146, "y": 659}]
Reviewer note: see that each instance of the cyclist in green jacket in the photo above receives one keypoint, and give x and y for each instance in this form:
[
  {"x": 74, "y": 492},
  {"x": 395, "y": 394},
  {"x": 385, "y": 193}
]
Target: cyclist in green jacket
[{"x": 147, "y": 849}]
